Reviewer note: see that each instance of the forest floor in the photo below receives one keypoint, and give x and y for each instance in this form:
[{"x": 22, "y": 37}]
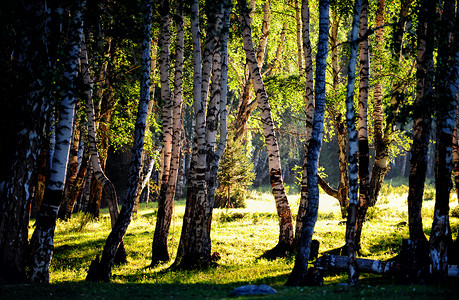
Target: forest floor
[{"x": 240, "y": 236}]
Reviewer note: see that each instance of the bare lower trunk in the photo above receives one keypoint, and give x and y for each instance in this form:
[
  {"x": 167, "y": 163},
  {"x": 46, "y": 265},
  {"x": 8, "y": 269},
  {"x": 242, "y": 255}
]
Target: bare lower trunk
[{"x": 102, "y": 182}]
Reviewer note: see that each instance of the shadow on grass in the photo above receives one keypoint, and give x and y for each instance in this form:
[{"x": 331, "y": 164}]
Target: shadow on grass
[
  {"x": 368, "y": 288},
  {"x": 74, "y": 255}
]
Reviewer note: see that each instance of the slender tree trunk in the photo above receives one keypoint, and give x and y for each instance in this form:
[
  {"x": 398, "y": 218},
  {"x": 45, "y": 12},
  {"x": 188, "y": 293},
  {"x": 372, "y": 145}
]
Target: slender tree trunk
[
  {"x": 72, "y": 171},
  {"x": 166, "y": 199},
  {"x": 342, "y": 193},
  {"x": 309, "y": 96},
  {"x": 99, "y": 174},
  {"x": 456, "y": 153},
  {"x": 298, "y": 275},
  {"x": 216, "y": 109},
  {"x": 446, "y": 88},
  {"x": 196, "y": 191},
  {"x": 76, "y": 191},
  {"x": 145, "y": 181},
  {"x": 364, "y": 155},
  {"x": 383, "y": 135},
  {"x": 299, "y": 41},
  {"x": 165, "y": 96},
  {"x": 41, "y": 243},
  {"x": 246, "y": 104},
  {"x": 283, "y": 209},
  {"x": 353, "y": 151},
  {"x": 101, "y": 271},
  {"x": 422, "y": 121}
]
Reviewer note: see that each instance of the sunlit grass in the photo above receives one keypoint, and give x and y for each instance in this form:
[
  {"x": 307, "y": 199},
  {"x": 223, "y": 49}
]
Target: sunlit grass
[{"x": 240, "y": 236}]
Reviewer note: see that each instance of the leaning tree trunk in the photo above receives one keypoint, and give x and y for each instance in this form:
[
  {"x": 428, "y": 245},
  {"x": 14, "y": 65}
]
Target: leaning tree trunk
[
  {"x": 98, "y": 173},
  {"x": 246, "y": 104},
  {"x": 41, "y": 243},
  {"x": 422, "y": 121},
  {"x": 364, "y": 155},
  {"x": 342, "y": 192},
  {"x": 167, "y": 193},
  {"x": 447, "y": 80},
  {"x": 146, "y": 178},
  {"x": 72, "y": 173},
  {"x": 298, "y": 275},
  {"x": 283, "y": 209},
  {"x": 353, "y": 151},
  {"x": 101, "y": 271},
  {"x": 309, "y": 96}
]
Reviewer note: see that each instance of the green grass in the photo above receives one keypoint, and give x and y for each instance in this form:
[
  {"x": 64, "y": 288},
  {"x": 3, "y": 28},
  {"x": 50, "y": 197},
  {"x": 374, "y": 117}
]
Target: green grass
[{"x": 240, "y": 236}]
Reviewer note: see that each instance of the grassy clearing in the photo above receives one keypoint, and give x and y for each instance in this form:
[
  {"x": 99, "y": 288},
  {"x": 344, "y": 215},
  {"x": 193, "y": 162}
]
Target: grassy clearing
[{"x": 240, "y": 236}]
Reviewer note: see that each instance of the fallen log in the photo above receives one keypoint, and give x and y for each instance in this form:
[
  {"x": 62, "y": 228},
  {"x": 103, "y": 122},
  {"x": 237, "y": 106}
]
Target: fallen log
[{"x": 341, "y": 263}]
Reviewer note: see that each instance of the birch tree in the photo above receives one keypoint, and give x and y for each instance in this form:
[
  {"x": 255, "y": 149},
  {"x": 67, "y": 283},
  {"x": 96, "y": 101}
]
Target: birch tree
[
  {"x": 23, "y": 122},
  {"x": 363, "y": 147},
  {"x": 94, "y": 159},
  {"x": 309, "y": 95},
  {"x": 41, "y": 243},
  {"x": 167, "y": 194},
  {"x": 101, "y": 270},
  {"x": 283, "y": 209},
  {"x": 422, "y": 113},
  {"x": 298, "y": 275},
  {"x": 446, "y": 88},
  {"x": 353, "y": 150},
  {"x": 195, "y": 244},
  {"x": 385, "y": 120}
]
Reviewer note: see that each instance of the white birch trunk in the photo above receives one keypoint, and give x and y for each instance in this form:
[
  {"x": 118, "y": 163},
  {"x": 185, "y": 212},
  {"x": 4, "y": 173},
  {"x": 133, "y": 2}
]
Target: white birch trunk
[
  {"x": 165, "y": 92},
  {"x": 447, "y": 83},
  {"x": 298, "y": 275},
  {"x": 309, "y": 96},
  {"x": 43, "y": 237},
  {"x": 160, "y": 250},
  {"x": 275, "y": 170},
  {"x": 353, "y": 150}
]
